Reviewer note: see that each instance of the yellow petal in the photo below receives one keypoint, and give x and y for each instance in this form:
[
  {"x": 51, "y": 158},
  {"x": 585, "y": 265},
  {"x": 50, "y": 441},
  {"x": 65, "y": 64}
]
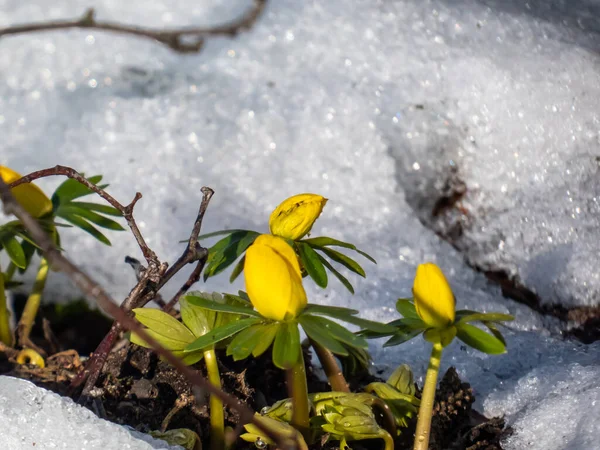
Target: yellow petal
[
  {"x": 273, "y": 279},
  {"x": 294, "y": 217},
  {"x": 31, "y": 197},
  {"x": 434, "y": 299}
]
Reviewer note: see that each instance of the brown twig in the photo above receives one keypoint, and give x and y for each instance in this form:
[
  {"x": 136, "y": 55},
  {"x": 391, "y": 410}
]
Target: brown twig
[
  {"x": 126, "y": 210},
  {"x": 93, "y": 290},
  {"x": 143, "y": 293},
  {"x": 174, "y": 39}
]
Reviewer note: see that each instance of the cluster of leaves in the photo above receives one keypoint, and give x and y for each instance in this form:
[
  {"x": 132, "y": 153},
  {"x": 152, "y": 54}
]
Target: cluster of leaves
[
  {"x": 254, "y": 334},
  {"x": 19, "y": 246},
  {"x": 411, "y": 325},
  {"x": 312, "y": 253}
]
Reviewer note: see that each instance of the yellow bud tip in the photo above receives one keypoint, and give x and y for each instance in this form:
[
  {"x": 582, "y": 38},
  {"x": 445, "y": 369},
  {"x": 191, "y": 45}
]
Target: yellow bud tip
[
  {"x": 294, "y": 217},
  {"x": 31, "y": 197},
  {"x": 30, "y": 356},
  {"x": 433, "y": 296},
  {"x": 273, "y": 278}
]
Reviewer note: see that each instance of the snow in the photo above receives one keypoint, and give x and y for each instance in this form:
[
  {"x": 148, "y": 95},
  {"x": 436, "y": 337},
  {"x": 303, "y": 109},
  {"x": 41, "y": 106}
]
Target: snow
[
  {"x": 33, "y": 417},
  {"x": 373, "y": 104}
]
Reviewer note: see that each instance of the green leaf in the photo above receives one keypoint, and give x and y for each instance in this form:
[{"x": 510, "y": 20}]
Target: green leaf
[
  {"x": 195, "y": 318},
  {"x": 485, "y": 317},
  {"x": 165, "y": 326},
  {"x": 348, "y": 315},
  {"x": 87, "y": 227},
  {"x": 269, "y": 332},
  {"x": 71, "y": 189},
  {"x": 495, "y": 331},
  {"x": 220, "y": 233},
  {"x": 344, "y": 260},
  {"x": 340, "y": 333},
  {"x": 239, "y": 268},
  {"x": 98, "y": 207},
  {"x": 338, "y": 275},
  {"x": 221, "y": 333},
  {"x": 312, "y": 264},
  {"x": 286, "y": 348},
  {"x": 165, "y": 341},
  {"x": 91, "y": 216},
  {"x": 227, "y": 250},
  {"x": 212, "y": 305},
  {"x": 401, "y": 336},
  {"x": 246, "y": 341},
  {"x": 14, "y": 251},
  {"x": 329, "y": 310},
  {"x": 406, "y": 308},
  {"x": 403, "y": 380},
  {"x": 315, "y": 332},
  {"x": 479, "y": 339},
  {"x": 323, "y": 241}
]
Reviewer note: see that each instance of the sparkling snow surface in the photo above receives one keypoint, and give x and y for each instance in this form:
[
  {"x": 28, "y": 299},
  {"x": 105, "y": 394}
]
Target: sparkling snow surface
[
  {"x": 371, "y": 104},
  {"x": 34, "y": 418}
]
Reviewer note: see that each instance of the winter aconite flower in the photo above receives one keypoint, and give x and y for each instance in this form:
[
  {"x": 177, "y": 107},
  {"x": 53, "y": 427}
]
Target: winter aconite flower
[
  {"x": 31, "y": 197},
  {"x": 273, "y": 278},
  {"x": 294, "y": 217},
  {"x": 434, "y": 300}
]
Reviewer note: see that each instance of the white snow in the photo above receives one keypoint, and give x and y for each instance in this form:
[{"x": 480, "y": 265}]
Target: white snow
[
  {"x": 371, "y": 104},
  {"x": 34, "y": 418}
]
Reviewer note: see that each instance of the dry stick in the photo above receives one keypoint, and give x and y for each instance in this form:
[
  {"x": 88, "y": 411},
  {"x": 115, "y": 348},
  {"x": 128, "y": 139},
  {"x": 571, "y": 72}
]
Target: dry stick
[
  {"x": 156, "y": 274},
  {"x": 171, "y": 38},
  {"x": 90, "y": 288},
  {"x": 193, "y": 252}
]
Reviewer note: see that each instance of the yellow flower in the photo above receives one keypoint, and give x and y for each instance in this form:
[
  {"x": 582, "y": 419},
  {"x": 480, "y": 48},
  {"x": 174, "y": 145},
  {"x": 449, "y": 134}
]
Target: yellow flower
[
  {"x": 31, "y": 197},
  {"x": 273, "y": 279},
  {"x": 434, "y": 300},
  {"x": 294, "y": 217}
]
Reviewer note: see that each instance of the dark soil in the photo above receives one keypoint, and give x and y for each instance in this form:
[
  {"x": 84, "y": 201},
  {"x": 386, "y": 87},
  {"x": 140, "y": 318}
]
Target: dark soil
[{"x": 138, "y": 389}]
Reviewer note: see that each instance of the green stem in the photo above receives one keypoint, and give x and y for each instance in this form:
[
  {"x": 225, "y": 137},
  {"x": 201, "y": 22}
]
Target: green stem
[
  {"x": 427, "y": 399},
  {"x": 33, "y": 304},
  {"x": 388, "y": 440},
  {"x": 332, "y": 369},
  {"x": 5, "y": 334},
  {"x": 298, "y": 389},
  {"x": 217, "y": 413}
]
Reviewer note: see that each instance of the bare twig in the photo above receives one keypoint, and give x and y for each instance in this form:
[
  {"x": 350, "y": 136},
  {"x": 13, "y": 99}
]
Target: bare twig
[
  {"x": 126, "y": 210},
  {"x": 150, "y": 280},
  {"x": 93, "y": 290},
  {"x": 174, "y": 39}
]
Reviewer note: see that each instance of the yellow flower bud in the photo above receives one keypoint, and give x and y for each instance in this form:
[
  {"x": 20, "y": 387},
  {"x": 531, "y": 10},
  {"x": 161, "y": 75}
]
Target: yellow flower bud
[
  {"x": 294, "y": 217},
  {"x": 273, "y": 279},
  {"x": 31, "y": 197},
  {"x": 434, "y": 299}
]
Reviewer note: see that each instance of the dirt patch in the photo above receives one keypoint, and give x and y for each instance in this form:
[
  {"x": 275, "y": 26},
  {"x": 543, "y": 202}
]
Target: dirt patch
[{"x": 137, "y": 389}]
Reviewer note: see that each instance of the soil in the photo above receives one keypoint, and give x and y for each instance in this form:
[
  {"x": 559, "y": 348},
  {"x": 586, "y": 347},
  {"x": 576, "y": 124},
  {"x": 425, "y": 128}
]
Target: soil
[{"x": 137, "y": 389}]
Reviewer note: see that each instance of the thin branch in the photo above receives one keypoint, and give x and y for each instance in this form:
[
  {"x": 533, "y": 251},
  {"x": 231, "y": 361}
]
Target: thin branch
[
  {"x": 126, "y": 210},
  {"x": 174, "y": 39},
  {"x": 93, "y": 290}
]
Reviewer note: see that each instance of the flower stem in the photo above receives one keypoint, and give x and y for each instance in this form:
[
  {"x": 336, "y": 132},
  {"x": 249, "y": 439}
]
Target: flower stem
[
  {"x": 5, "y": 334},
  {"x": 427, "y": 399},
  {"x": 332, "y": 369},
  {"x": 298, "y": 389},
  {"x": 217, "y": 414},
  {"x": 33, "y": 304}
]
